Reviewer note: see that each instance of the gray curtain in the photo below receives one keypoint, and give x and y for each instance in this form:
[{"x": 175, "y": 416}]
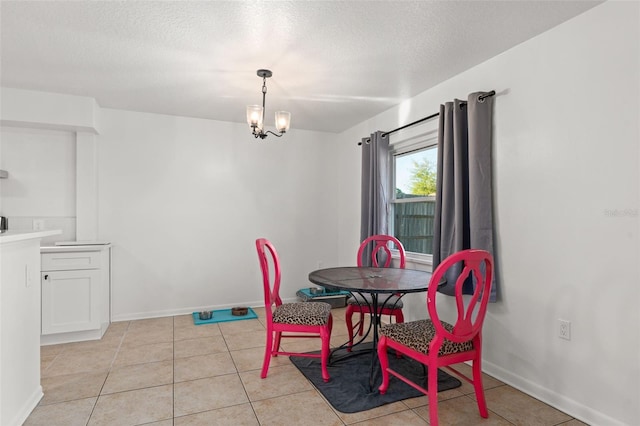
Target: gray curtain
[
  {"x": 464, "y": 213},
  {"x": 375, "y": 189}
]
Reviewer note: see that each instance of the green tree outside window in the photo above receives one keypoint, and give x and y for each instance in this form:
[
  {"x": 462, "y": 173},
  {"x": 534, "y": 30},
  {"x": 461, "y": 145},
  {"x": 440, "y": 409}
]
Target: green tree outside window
[{"x": 423, "y": 178}]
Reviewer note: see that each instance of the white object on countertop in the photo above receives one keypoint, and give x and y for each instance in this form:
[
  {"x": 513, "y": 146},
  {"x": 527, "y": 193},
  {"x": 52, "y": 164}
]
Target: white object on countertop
[
  {"x": 74, "y": 248},
  {"x": 82, "y": 243}
]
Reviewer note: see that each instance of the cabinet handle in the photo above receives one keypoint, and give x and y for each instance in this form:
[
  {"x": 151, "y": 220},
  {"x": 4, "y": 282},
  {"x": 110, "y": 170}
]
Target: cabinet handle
[{"x": 46, "y": 277}]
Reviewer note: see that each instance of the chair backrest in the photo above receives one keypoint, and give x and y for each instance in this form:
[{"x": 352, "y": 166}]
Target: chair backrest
[
  {"x": 267, "y": 255},
  {"x": 476, "y": 265},
  {"x": 380, "y": 245}
]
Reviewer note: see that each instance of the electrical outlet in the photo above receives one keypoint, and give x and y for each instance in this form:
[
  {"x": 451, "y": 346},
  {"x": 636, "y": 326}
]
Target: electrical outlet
[
  {"x": 38, "y": 224},
  {"x": 564, "y": 331}
]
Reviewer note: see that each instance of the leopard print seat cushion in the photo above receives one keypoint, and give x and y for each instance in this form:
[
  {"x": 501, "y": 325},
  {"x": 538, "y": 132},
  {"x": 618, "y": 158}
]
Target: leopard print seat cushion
[
  {"x": 394, "y": 302},
  {"x": 302, "y": 313},
  {"x": 418, "y": 334}
]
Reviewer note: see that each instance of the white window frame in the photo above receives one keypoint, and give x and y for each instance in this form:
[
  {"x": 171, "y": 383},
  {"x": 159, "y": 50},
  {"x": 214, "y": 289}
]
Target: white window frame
[{"x": 411, "y": 142}]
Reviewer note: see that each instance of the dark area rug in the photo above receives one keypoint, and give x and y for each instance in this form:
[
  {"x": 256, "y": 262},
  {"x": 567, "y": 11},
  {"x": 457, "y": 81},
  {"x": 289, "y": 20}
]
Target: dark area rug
[{"x": 348, "y": 390}]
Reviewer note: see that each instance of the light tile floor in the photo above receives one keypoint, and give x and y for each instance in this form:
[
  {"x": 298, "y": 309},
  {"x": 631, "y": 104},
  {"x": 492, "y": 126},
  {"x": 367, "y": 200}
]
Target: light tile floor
[{"x": 166, "y": 371}]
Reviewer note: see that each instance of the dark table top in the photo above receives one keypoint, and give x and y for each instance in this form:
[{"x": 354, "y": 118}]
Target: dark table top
[{"x": 372, "y": 280}]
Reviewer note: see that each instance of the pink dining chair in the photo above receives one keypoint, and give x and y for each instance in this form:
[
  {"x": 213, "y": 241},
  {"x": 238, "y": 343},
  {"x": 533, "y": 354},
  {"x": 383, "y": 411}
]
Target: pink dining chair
[
  {"x": 313, "y": 318},
  {"x": 436, "y": 343},
  {"x": 361, "y": 304}
]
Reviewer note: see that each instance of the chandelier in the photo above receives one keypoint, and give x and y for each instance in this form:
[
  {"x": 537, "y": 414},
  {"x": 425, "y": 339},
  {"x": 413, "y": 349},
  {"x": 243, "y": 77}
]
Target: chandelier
[{"x": 255, "y": 113}]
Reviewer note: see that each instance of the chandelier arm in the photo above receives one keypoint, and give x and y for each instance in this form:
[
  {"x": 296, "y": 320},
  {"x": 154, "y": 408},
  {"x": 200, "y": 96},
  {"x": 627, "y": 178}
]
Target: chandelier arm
[
  {"x": 260, "y": 134},
  {"x": 274, "y": 134}
]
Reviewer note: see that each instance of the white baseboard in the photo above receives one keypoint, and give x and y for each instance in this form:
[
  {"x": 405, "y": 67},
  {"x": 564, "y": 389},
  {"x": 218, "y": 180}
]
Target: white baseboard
[
  {"x": 573, "y": 408},
  {"x": 180, "y": 311},
  {"x": 27, "y": 408}
]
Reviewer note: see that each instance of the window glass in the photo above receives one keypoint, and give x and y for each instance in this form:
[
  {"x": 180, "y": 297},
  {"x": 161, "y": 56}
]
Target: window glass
[{"x": 413, "y": 205}]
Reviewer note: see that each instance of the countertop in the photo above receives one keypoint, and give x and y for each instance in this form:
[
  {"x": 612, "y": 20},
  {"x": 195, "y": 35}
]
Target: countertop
[{"x": 13, "y": 236}]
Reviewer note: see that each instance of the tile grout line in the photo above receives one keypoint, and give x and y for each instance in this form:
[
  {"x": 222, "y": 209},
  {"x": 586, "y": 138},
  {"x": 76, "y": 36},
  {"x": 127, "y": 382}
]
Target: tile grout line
[
  {"x": 471, "y": 397},
  {"x": 239, "y": 378},
  {"x": 115, "y": 355}
]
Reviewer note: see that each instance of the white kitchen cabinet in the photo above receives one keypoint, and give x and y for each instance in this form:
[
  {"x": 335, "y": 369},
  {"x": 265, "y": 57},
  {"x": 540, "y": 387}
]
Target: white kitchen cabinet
[
  {"x": 20, "y": 389},
  {"x": 75, "y": 293}
]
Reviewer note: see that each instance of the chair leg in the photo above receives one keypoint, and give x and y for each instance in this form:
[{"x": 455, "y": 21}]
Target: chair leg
[
  {"x": 479, "y": 388},
  {"x": 432, "y": 388},
  {"x": 384, "y": 364},
  {"x": 276, "y": 344},
  {"x": 325, "y": 336},
  {"x": 267, "y": 354},
  {"x": 347, "y": 317},
  {"x": 399, "y": 319}
]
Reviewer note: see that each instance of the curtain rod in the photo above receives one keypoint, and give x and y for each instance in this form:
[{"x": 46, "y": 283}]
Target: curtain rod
[{"x": 480, "y": 98}]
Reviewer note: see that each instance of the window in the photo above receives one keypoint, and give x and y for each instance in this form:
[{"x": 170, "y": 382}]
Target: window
[{"x": 413, "y": 204}]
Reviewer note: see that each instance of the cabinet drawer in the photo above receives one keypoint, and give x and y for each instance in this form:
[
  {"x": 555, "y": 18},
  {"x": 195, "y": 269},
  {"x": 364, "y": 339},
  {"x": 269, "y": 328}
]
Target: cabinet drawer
[{"x": 68, "y": 261}]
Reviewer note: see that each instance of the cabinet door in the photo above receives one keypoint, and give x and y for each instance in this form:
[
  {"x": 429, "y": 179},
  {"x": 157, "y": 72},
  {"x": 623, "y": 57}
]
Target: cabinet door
[{"x": 70, "y": 301}]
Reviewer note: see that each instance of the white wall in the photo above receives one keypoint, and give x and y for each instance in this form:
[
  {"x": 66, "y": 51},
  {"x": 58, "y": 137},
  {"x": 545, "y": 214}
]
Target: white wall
[
  {"x": 183, "y": 201},
  {"x": 566, "y": 158},
  {"x": 42, "y": 168},
  {"x": 42, "y": 179}
]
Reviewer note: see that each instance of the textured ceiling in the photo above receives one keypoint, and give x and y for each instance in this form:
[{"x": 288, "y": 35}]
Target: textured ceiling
[{"x": 334, "y": 63}]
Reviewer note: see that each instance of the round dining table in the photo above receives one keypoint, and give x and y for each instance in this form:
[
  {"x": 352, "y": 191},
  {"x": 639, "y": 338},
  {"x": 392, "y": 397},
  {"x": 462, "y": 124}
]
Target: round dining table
[
  {"x": 372, "y": 280},
  {"x": 379, "y": 283}
]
